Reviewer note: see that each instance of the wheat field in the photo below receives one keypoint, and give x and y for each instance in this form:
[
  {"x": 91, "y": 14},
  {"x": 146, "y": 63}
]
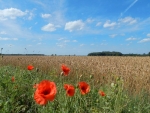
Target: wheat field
[{"x": 135, "y": 71}]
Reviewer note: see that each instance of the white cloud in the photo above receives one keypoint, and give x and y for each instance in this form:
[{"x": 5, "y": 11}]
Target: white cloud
[
  {"x": 113, "y": 35},
  {"x": 11, "y": 13},
  {"x": 14, "y": 29},
  {"x": 99, "y": 23},
  {"x": 103, "y": 44},
  {"x": 61, "y": 44},
  {"x": 3, "y": 33},
  {"x": 82, "y": 44},
  {"x": 60, "y": 39},
  {"x": 109, "y": 25},
  {"x": 74, "y": 40},
  {"x": 49, "y": 27},
  {"x": 4, "y": 38},
  {"x": 89, "y": 20},
  {"x": 66, "y": 41},
  {"x": 8, "y": 38},
  {"x": 74, "y": 25},
  {"x": 128, "y": 20},
  {"x": 148, "y": 35},
  {"x": 39, "y": 43},
  {"x": 144, "y": 40},
  {"x": 131, "y": 38},
  {"x": 14, "y": 38},
  {"x": 31, "y": 15},
  {"x": 46, "y": 15}
]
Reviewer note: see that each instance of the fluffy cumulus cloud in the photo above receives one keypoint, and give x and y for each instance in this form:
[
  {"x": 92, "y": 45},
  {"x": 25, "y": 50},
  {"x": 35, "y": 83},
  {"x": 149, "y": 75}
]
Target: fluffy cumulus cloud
[
  {"x": 46, "y": 15},
  {"x": 49, "y": 27},
  {"x": 128, "y": 20},
  {"x": 74, "y": 25},
  {"x": 109, "y": 24},
  {"x": 131, "y": 38},
  {"x": 11, "y": 13},
  {"x": 144, "y": 40}
]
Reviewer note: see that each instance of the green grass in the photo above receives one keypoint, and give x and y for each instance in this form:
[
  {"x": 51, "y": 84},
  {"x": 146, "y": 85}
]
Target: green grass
[{"x": 17, "y": 96}]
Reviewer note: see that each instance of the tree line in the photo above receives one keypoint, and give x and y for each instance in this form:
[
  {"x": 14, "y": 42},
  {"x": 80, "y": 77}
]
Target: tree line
[{"x": 114, "y": 53}]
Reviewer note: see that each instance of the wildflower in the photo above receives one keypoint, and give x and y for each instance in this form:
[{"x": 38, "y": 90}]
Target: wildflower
[
  {"x": 45, "y": 92},
  {"x": 84, "y": 88},
  {"x": 70, "y": 90},
  {"x": 65, "y": 69},
  {"x": 30, "y": 67},
  {"x": 12, "y": 78},
  {"x": 102, "y": 93},
  {"x": 113, "y": 85}
]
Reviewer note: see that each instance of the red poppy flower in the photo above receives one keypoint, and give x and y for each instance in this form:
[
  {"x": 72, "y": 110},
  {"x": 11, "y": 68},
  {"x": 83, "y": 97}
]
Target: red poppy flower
[
  {"x": 30, "y": 67},
  {"x": 65, "y": 69},
  {"x": 45, "y": 92},
  {"x": 70, "y": 90},
  {"x": 101, "y": 93},
  {"x": 84, "y": 88},
  {"x": 12, "y": 78}
]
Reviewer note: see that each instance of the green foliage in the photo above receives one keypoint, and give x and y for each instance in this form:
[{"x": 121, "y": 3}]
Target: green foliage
[
  {"x": 17, "y": 96},
  {"x": 105, "y": 53},
  {"x": 113, "y": 53}
]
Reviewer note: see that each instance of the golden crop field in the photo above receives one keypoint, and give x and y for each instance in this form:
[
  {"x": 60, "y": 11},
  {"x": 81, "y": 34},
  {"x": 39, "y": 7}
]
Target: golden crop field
[{"x": 135, "y": 71}]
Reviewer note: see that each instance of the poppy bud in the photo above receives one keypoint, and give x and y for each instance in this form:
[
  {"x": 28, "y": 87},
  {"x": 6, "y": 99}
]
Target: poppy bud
[{"x": 91, "y": 76}]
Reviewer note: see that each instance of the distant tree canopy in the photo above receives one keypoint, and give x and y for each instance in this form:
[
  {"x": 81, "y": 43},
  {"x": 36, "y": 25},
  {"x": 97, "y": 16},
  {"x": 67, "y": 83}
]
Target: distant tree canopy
[
  {"x": 114, "y": 53},
  {"x": 105, "y": 53}
]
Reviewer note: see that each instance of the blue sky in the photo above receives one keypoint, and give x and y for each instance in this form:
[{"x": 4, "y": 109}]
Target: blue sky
[{"x": 67, "y": 27}]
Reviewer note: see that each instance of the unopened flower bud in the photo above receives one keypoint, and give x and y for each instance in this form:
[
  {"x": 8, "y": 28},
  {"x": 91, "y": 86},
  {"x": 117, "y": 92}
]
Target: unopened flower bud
[
  {"x": 62, "y": 73},
  {"x": 97, "y": 81},
  {"x": 37, "y": 69},
  {"x": 80, "y": 76},
  {"x": 91, "y": 76}
]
